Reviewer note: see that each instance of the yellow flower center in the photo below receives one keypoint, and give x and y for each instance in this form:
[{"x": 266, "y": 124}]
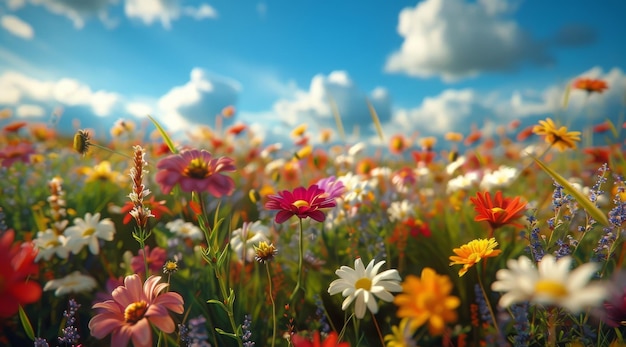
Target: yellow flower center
[
  {"x": 135, "y": 311},
  {"x": 551, "y": 288},
  {"x": 197, "y": 168},
  {"x": 89, "y": 231},
  {"x": 52, "y": 243},
  {"x": 497, "y": 210},
  {"x": 300, "y": 203},
  {"x": 363, "y": 283},
  {"x": 171, "y": 265}
]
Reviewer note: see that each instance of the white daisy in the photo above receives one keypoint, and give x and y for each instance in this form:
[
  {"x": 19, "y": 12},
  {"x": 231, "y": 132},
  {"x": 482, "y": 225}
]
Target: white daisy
[
  {"x": 72, "y": 283},
  {"x": 87, "y": 232},
  {"x": 500, "y": 178},
  {"x": 49, "y": 243},
  {"x": 251, "y": 234},
  {"x": 185, "y": 229},
  {"x": 551, "y": 283},
  {"x": 365, "y": 285},
  {"x": 462, "y": 182},
  {"x": 400, "y": 211}
]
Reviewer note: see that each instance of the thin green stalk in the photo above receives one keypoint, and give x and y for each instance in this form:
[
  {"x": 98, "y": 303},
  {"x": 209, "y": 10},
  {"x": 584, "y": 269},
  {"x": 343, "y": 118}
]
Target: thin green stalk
[
  {"x": 486, "y": 298},
  {"x": 269, "y": 281},
  {"x": 300, "y": 258}
]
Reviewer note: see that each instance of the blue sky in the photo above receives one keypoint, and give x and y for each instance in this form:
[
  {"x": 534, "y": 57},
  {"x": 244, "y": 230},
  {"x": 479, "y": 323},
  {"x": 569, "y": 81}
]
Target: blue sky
[{"x": 427, "y": 66}]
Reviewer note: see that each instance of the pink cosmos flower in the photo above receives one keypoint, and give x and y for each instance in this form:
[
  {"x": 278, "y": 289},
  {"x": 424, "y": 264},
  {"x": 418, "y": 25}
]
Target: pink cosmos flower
[
  {"x": 16, "y": 152},
  {"x": 302, "y": 202},
  {"x": 196, "y": 170},
  {"x": 132, "y": 311},
  {"x": 156, "y": 258}
]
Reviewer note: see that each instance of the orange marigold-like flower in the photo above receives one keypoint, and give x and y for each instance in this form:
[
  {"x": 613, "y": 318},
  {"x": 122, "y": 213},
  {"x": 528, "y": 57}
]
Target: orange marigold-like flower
[
  {"x": 590, "y": 85},
  {"x": 397, "y": 144},
  {"x": 498, "y": 211},
  {"x": 473, "y": 252},
  {"x": 560, "y": 138},
  {"x": 427, "y": 299}
]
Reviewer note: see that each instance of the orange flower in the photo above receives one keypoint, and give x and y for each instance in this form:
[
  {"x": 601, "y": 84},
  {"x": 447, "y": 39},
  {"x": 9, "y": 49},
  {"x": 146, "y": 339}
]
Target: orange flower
[
  {"x": 473, "y": 252},
  {"x": 427, "y": 299},
  {"x": 228, "y": 111},
  {"x": 590, "y": 85},
  {"x": 365, "y": 166},
  {"x": 560, "y": 138},
  {"x": 454, "y": 137},
  {"x": 299, "y": 130},
  {"x": 427, "y": 143},
  {"x": 525, "y": 133},
  {"x": 332, "y": 340},
  {"x": 473, "y": 137},
  {"x": 325, "y": 135},
  {"x": 425, "y": 157},
  {"x": 397, "y": 144},
  {"x": 498, "y": 211}
]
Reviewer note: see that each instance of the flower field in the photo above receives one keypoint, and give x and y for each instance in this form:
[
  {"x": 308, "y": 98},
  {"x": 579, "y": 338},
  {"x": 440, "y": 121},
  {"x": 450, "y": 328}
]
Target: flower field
[{"x": 510, "y": 239}]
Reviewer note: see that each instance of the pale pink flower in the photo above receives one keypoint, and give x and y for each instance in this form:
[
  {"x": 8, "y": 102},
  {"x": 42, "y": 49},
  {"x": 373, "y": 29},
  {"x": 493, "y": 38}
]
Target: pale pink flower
[
  {"x": 132, "y": 311},
  {"x": 196, "y": 170},
  {"x": 156, "y": 258}
]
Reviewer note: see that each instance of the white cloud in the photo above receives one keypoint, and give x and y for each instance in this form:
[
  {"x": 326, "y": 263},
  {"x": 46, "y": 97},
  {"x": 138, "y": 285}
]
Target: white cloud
[
  {"x": 455, "y": 39},
  {"x": 201, "y": 12},
  {"x": 138, "y": 109},
  {"x": 312, "y": 106},
  {"x": 17, "y": 27},
  {"x": 198, "y": 100},
  {"x": 76, "y": 11},
  {"x": 27, "y": 110},
  {"x": 165, "y": 11},
  {"x": 19, "y": 88}
]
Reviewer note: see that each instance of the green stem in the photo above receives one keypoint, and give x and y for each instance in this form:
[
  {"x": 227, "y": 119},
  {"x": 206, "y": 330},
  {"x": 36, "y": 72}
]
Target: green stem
[
  {"x": 380, "y": 335},
  {"x": 300, "y": 258},
  {"x": 486, "y": 298},
  {"x": 269, "y": 280},
  {"x": 551, "y": 327}
]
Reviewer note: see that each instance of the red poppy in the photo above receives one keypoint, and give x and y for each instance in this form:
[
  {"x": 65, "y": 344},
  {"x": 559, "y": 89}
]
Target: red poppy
[
  {"x": 14, "y": 127},
  {"x": 498, "y": 211},
  {"x": 236, "y": 129},
  {"x": 602, "y": 127},
  {"x": 473, "y": 137},
  {"x": 425, "y": 157},
  {"x": 417, "y": 227},
  {"x": 599, "y": 155},
  {"x": 525, "y": 133},
  {"x": 302, "y": 202},
  {"x": 590, "y": 85},
  {"x": 17, "y": 287},
  {"x": 332, "y": 340}
]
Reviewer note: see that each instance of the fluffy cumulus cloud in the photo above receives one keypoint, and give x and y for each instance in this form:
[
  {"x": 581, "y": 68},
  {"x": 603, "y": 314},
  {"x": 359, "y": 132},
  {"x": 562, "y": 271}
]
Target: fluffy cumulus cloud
[
  {"x": 197, "y": 101},
  {"x": 313, "y": 106},
  {"x": 19, "y": 89},
  {"x": 165, "y": 11},
  {"x": 453, "y": 39},
  {"x": 17, "y": 27}
]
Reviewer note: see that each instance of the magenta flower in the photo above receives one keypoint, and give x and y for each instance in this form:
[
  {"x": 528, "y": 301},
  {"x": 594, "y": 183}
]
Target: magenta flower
[
  {"x": 332, "y": 186},
  {"x": 196, "y": 170},
  {"x": 155, "y": 257},
  {"x": 302, "y": 203},
  {"x": 132, "y": 311},
  {"x": 16, "y": 152}
]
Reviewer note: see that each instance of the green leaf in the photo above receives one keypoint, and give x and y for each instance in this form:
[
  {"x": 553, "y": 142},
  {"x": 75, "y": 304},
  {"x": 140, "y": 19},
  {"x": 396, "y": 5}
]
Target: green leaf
[
  {"x": 592, "y": 209},
  {"x": 26, "y": 324},
  {"x": 164, "y": 134},
  {"x": 218, "y": 303}
]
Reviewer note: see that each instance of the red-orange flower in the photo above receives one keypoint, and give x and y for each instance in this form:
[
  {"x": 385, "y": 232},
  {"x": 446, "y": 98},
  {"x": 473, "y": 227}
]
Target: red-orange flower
[
  {"x": 602, "y": 127},
  {"x": 16, "y": 285},
  {"x": 14, "y": 127},
  {"x": 332, "y": 340},
  {"x": 591, "y": 85},
  {"x": 498, "y": 211}
]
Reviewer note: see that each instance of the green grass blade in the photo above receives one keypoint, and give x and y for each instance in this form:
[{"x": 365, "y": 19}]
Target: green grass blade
[
  {"x": 568, "y": 89},
  {"x": 379, "y": 128},
  {"x": 592, "y": 209},
  {"x": 166, "y": 137},
  {"x": 28, "y": 328},
  {"x": 335, "y": 110}
]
